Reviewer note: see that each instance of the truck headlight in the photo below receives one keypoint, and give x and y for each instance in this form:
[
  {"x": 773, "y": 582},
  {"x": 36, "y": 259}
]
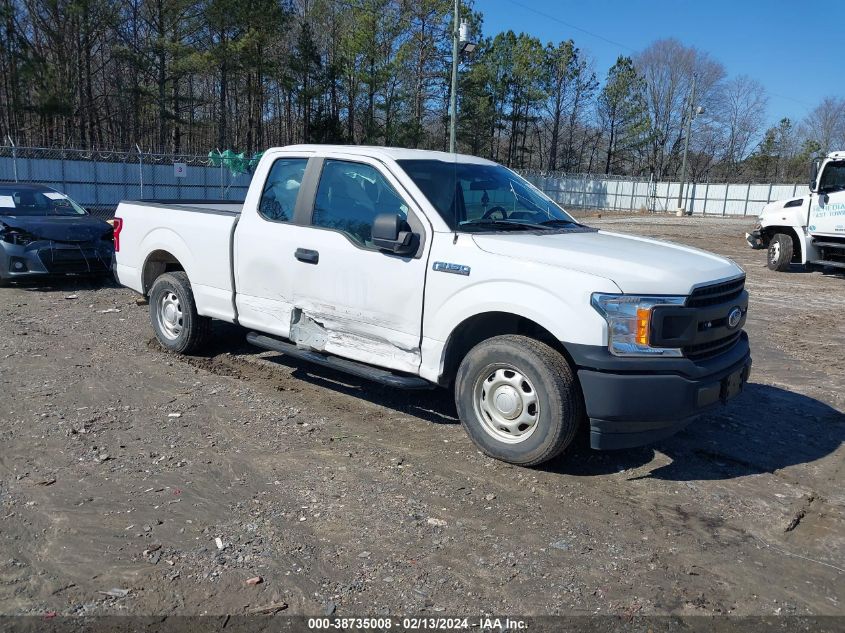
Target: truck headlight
[{"x": 629, "y": 323}]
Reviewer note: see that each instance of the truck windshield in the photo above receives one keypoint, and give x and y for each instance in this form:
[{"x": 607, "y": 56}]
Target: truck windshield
[
  {"x": 476, "y": 197},
  {"x": 27, "y": 201}
]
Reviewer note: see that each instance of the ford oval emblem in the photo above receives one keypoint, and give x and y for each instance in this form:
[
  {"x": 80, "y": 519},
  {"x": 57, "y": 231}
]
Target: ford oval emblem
[{"x": 734, "y": 317}]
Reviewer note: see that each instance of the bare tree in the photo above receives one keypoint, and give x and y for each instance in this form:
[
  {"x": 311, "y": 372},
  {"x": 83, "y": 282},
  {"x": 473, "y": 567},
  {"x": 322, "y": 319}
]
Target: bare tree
[
  {"x": 667, "y": 67},
  {"x": 826, "y": 124},
  {"x": 742, "y": 114}
]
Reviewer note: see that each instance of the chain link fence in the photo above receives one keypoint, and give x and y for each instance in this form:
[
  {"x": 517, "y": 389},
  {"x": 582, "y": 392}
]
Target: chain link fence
[
  {"x": 624, "y": 193},
  {"x": 99, "y": 180}
]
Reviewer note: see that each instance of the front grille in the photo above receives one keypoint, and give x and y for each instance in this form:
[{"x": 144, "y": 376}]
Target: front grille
[
  {"x": 82, "y": 260},
  {"x": 703, "y": 351},
  {"x": 709, "y": 307},
  {"x": 717, "y": 293}
]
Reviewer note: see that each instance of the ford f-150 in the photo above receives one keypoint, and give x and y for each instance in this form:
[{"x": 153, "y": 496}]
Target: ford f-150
[{"x": 419, "y": 269}]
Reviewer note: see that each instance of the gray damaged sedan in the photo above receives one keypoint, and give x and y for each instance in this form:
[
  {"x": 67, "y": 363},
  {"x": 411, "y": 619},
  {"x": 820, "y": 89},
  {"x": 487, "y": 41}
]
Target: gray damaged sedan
[{"x": 43, "y": 233}]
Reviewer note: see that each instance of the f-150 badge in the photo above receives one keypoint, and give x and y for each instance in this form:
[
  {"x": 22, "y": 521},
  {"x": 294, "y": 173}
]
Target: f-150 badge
[{"x": 455, "y": 269}]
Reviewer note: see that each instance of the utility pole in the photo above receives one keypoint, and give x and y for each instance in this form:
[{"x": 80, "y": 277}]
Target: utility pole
[
  {"x": 455, "y": 54},
  {"x": 690, "y": 116}
]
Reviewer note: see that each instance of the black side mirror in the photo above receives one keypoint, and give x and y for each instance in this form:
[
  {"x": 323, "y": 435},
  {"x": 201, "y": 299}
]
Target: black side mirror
[
  {"x": 391, "y": 233},
  {"x": 814, "y": 173}
]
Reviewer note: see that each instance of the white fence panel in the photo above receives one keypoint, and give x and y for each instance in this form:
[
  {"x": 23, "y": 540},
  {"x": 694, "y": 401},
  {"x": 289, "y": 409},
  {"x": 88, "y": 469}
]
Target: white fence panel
[
  {"x": 104, "y": 179},
  {"x": 583, "y": 191}
]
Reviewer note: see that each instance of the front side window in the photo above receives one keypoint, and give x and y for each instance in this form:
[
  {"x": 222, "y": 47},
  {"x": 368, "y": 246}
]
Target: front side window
[
  {"x": 350, "y": 196},
  {"x": 477, "y": 196},
  {"x": 278, "y": 199},
  {"x": 833, "y": 178}
]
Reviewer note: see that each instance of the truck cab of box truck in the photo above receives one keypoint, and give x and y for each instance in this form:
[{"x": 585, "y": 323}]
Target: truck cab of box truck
[{"x": 808, "y": 230}]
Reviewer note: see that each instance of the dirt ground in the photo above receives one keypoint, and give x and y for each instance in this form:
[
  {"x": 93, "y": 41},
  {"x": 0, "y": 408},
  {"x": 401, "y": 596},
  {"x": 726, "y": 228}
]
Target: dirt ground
[{"x": 122, "y": 465}]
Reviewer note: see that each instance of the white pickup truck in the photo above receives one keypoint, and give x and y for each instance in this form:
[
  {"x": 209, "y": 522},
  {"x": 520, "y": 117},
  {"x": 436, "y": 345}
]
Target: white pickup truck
[
  {"x": 810, "y": 229},
  {"x": 420, "y": 269}
]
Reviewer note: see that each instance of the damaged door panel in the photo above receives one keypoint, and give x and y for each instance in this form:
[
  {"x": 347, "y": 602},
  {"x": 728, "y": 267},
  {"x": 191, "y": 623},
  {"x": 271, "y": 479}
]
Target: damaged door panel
[
  {"x": 362, "y": 337},
  {"x": 367, "y": 303},
  {"x": 306, "y": 332}
]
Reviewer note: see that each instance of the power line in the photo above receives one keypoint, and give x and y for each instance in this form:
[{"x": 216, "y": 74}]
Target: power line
[
  {"x": 571, "y": 26},
  {"x": 780, "y": 96},
  {"x": 620, "y": 44}
]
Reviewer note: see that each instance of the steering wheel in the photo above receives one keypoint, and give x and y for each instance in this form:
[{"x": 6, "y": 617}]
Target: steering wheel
[{"x": 489, "y": 213}]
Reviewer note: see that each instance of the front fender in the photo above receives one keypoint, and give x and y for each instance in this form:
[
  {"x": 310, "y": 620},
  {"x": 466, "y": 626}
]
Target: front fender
[
  {"x": 534, "y": 302},
  {"x": 569, "y": 318}
]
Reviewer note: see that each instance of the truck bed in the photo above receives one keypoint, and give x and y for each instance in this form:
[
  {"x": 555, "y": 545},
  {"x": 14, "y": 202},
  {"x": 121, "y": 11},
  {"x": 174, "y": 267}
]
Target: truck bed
[{"x": 197, "y": 233}]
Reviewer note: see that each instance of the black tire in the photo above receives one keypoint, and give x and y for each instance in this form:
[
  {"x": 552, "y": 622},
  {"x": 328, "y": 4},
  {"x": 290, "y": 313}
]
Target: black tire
[
  {"x": 186, "y": 332},
  {"x": 559, "y": 406},
  {"x": 4, "y": 282},
  {"x": 779, "y": 255}
]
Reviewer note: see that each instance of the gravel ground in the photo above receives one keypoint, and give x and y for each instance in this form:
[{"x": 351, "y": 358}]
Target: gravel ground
[{"x": 176, "y": 480}]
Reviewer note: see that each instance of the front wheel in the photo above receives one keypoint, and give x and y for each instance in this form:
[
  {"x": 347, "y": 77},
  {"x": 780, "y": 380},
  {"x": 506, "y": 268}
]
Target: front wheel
[
  {"x": 518, "y": 399},
  {"x": 780, "y": 252},
  {"x": 174, "y": 317}
]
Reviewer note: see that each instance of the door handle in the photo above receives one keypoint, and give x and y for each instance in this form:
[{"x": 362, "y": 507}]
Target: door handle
[{"x": 307, "y": 255}]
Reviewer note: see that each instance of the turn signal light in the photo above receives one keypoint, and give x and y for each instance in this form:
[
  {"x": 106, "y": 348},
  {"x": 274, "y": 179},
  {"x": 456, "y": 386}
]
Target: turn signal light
[{"x": 643, "y": 325}]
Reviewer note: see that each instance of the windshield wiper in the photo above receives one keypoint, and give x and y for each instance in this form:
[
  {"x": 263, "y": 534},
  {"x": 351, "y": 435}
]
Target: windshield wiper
[
  {"x": 505, "y": 224},
  {"x": 559, "y": 222}
]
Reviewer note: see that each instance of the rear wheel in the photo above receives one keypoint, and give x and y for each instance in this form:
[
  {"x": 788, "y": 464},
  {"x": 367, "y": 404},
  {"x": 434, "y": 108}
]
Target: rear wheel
[
  {"x": 174, "y": 317},
  {"x": 780, "y": 252},
  {"x": 518, "y": 399}
]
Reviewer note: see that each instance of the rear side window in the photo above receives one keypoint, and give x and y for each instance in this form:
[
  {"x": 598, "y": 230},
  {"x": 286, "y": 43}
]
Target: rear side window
[
  {"x": 350, "y": 196},
  {"x": 278, "y": 198}
]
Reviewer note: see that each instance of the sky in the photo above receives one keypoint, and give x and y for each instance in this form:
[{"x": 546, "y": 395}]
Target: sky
[{"x": 780, "y": 43}]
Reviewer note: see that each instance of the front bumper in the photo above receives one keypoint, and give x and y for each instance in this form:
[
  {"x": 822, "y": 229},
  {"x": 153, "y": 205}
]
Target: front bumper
[
  {"x": 632, "y": 402},
  {"x": 755, "y": 239},
  {"x": 45, "y": 258}
]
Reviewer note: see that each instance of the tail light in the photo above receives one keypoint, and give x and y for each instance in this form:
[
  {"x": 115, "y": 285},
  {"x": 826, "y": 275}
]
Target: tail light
[{"x": 118, "y": 227}]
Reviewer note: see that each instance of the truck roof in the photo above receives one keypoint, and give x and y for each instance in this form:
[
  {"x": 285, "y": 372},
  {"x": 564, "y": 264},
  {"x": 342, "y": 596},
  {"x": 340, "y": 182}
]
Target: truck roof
[
  {"x": 836, "y": 155},
  {"x": 395, "y": 153}
]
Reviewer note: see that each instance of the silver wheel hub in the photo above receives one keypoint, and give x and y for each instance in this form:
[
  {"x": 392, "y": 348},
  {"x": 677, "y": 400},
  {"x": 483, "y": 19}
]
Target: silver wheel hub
[
  {"x": 506, "y": 404},
  {"x": 169, "y": 315},
  {"x": 775, "y": 252}
]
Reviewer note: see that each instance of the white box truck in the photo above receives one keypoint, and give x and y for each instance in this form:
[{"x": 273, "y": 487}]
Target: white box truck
[{"x": 808, "y": 230}]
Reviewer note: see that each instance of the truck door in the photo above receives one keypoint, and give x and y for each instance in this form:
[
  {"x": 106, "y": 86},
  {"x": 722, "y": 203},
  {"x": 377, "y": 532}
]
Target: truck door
[
  {"x": 827, "y": 207},
  {"x": 265, "y": 239},
  {"x": 349, "y": 298}
]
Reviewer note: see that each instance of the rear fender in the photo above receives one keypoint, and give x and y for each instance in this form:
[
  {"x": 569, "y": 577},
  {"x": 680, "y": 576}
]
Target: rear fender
[{"x": 167, "y": 240}]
